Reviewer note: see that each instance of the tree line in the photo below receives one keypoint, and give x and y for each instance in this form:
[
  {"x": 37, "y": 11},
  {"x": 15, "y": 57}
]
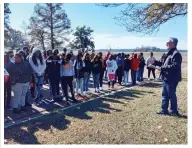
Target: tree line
[{"x": 49, "y": 25}]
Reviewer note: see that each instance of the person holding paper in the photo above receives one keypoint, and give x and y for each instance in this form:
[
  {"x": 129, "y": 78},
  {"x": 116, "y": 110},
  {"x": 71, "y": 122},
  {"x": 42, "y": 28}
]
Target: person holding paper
[{"x": 171, "y": 75}]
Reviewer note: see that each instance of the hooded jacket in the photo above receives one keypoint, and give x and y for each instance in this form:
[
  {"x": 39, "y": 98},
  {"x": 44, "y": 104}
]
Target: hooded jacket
[
  {"x": 40, "y": 68},
  {"x": 111, "y": 66}
]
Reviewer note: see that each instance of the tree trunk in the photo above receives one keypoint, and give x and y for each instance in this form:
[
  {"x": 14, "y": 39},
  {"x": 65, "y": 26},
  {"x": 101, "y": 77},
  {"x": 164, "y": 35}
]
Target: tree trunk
[{"x": 52, "y": 43}]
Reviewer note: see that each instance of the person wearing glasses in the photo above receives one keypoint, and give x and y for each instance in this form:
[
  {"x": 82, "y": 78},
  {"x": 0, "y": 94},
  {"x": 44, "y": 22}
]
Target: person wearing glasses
[{"x": 171, "y": 75}]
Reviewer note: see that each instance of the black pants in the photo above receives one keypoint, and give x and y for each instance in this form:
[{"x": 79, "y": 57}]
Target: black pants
[
  {"x": 109, "y": 84},
  {"x": 54, "y": 88},
  {"x": 119, "y": 74},
  {"x": 149, "y": 72},
  {"x": 7, "y": 93},
  {"x": 101, "y": 77},
  {"x": 65, "y": 82}
]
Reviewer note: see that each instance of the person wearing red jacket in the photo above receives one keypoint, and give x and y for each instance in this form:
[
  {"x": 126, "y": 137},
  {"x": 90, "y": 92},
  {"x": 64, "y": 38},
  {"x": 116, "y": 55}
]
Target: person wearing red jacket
[{"x": 134, "y": 67}]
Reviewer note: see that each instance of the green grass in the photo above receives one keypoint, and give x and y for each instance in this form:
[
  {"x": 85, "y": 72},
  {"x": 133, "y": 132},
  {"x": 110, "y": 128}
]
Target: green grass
[{"x": 127, "y": 117}]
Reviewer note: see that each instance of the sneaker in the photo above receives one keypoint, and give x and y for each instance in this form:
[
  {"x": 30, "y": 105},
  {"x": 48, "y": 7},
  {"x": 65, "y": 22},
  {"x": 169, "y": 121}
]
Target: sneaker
[
  {"x": 16, "y": 111},
  {"x": 84, "y": 93},
  {"x": 149, "y": 79},
  {"x": 163, "y": 113},
  {"x": 127, "y": 84},
  {"x": 100, "y": 88}
]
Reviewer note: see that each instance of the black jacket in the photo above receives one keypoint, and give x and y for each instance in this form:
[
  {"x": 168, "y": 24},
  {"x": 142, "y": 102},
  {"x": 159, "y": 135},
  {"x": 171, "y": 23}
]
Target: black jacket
[
  {"x": 127, "y": 64},
  {"x": 20, "y": 73},
  {"x": 96, "y": 67},
  {"x": 171, "y": 67},
  {"x": 53, "y": 68},
  {"x": 87, "y": 67},
  {"x": 141, "y": 62}
]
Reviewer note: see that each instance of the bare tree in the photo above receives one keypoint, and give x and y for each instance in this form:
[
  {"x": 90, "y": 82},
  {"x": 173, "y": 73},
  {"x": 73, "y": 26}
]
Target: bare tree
[
  {"x": 147, "y": 18},
  {"x": 7, "y": 12}
]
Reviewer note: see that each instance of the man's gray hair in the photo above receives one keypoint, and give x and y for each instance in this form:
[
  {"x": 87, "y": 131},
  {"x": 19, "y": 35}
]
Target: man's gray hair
[{"x": 174, "y": 40}]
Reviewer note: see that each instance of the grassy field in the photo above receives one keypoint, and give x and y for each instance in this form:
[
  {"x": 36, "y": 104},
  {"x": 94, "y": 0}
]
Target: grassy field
[{"x": 127, "y": 117}]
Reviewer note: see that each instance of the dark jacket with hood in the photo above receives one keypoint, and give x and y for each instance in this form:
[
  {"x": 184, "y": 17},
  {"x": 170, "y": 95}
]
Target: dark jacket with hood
[
  {"x": 171, "y": 67},
  {"x": 20, "y": 73},
  {"x": 141, "y": 62}
]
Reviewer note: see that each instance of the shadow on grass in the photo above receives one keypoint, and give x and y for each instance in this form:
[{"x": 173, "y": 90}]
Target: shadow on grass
[{"x": 26, "y": 132}]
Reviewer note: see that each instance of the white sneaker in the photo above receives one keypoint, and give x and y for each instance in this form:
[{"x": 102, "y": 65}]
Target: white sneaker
[
  {"x": 127, "y": 84},
  {"x": 84, "y": 93},
  {"x": 79, "y": 91},
  {"x": 100, "y": 88},
  {"x": 149, "y": 79}
]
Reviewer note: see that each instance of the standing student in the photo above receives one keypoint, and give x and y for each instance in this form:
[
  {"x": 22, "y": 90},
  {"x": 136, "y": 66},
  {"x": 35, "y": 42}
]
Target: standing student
[
  {"x": 140, "y": 70},
  {"x": 127, "y": 67},
  {"x": 148, "y": 63},
  {"x": 53, "y": 71},
  {"x": 38, "y": 65},
  {"x": 7, "y": 85},
  {"x": 79, "y": 74},
  {"x": 20, "y": 72},
  {"x": 87, "y": 72},
  {"x": 120, "y": 68},
  {"x": 67, "y": 73},
  {"x": 102, "y": 70},
  {"x": 105, "y": 60},
  {"x": 134, "y": 67},
  {"x": 111, "y": 67},
  {"x": 96, "y": 69}
]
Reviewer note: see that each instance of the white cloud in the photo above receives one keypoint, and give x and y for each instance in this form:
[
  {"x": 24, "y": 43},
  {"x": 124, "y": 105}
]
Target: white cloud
[{"x": 103, "y": 41}]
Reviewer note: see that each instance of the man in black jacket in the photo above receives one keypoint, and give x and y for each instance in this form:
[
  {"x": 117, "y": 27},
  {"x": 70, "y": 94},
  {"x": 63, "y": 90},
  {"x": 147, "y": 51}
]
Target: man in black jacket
[
  {"x": 140, "y": 70},
  {"x": 171, "y": 76}
]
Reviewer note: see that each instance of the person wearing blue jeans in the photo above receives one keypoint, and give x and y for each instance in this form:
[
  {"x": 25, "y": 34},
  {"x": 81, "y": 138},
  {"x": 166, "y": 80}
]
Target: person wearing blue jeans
[
  {"x": 96, "y": 69},
  {"x": 96, "y": 81},
  {"x": 133, "y": 77},
  {"x": 171, "y": 75},
  {"x": 127, "y": 67},
  {"x": 140, "y": 70},
  {"x": 87, "y": 72},
  {"x": 38, "y": 65}
]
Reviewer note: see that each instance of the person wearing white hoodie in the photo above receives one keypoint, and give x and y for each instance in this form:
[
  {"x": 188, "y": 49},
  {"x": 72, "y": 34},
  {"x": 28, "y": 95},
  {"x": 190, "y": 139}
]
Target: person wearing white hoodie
[
  {"x": 111, "y": 67},
  {"x": 148, "y": 63},
  {"x": 38, "y": 65}
]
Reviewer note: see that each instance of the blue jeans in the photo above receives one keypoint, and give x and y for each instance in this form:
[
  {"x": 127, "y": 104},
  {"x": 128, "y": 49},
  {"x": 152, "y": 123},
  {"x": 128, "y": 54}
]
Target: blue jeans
[
  {"x": 133, "y": 76},
  {"x": 140, "y": 74},
  {"x": 126, "y": 76},
  {"x": 79, "y": 85},
  {"x": 169, "y": 93},
  {"x": 39, "y": 85},
  {"x": 96, "y": 80},
  {"x": 54, "y": 88},
  {"x": 86, "y": 82}
]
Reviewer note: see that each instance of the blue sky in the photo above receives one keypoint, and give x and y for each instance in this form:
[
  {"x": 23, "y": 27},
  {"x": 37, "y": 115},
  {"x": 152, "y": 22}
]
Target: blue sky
[{"x": 106, "y": 32}]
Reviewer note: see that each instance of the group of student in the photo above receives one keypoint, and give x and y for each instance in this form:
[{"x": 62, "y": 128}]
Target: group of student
[{"x": 30, "y": 69}]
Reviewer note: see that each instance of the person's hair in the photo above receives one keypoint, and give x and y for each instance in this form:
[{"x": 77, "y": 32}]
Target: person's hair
[
  {"x": 31, "y": 49},
  {"x": 55, "y": 52},
  {"x": 111, "y": 57},
  {"x": 135, "y": 55},
  {"x": 10, "y": 52},
  {"x": 151, "y": 53},
  {"x": 25, "y": 48},
  {"x": 48, "y": 52},
  {"x": 100, "y": 54},
  {"x": 79, "y": 59},
  {"x": 68, "y": 56},
  {"x": 141, "y": 54},
  {"x": 84, "y": 56},
  {"x": 20, "y": 56},
  {"x": 34, "y": 59}
]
